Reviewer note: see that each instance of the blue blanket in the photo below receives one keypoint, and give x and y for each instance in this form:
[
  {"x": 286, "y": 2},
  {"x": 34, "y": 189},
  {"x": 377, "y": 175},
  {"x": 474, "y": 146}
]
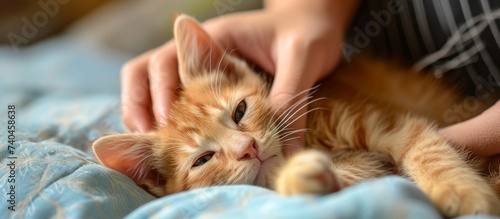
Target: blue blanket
[{"x": 66, "y": 95}]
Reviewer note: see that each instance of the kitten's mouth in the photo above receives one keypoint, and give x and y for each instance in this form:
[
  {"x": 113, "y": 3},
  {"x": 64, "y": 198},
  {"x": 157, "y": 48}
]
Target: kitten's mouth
[
  {"x": 264, "y": 160},
  {"x": 261, "y": 177}
]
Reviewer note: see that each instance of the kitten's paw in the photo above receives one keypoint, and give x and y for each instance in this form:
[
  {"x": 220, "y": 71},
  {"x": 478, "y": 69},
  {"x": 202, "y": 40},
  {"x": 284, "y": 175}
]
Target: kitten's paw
[
  {"x": 308, "y": 172},
  {"x": 454, "y": 199}
]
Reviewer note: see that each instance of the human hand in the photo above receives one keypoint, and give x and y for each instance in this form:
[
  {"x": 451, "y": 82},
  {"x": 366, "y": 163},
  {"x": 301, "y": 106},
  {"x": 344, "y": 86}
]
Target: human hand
[
  {"x": 479, "y": 135},
  {"x": 298, "y": 46}
]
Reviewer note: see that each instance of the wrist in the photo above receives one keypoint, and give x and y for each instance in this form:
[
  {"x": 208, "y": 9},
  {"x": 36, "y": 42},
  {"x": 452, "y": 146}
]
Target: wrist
[{"x": 338, "y": 13}]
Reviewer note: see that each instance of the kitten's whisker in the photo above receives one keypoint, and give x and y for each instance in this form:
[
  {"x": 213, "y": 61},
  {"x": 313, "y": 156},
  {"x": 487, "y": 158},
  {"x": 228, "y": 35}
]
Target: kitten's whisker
[
  {"x": 139, "y": 167},
  {"x": 220, "y": 60},
  {"x": 303, "y": 114},
  {"x": 213, "y": 87},
  {"x": 210, "y": 58},
  {"x": 295, "y": 130},
  {"x": 286, "y": 120},
  {"x": 215, "y": 84},
  {"x": 288, "y": 111},
  {"x": 289, "y": 133},
  {"x": 218, "y": 73},
  {"x": 312, "y": 90},
  {"x": 294, "y": 106},
  {"x": 293, "y": 109},
  {"x": 288, "y": 117},
  {"x": 217, "y": 89},
  {"x": 273, "y": 120},
  {"x": 227, "y": 63}
]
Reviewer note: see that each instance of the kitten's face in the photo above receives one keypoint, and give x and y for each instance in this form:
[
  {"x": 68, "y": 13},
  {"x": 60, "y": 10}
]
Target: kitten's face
[{"x": 220, "y": 131}]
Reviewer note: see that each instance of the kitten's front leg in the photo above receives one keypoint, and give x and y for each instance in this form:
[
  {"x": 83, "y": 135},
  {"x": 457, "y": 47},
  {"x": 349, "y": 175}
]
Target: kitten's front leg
[
  {"x": 314, "y": 172},
  {"x": 445, "y": 176},
  {"x": 308, "y": 172}
]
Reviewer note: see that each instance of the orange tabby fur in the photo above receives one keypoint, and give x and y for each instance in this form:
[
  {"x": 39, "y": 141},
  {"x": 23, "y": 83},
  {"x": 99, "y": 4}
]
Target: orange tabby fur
[{"x": 375, "y": 119}]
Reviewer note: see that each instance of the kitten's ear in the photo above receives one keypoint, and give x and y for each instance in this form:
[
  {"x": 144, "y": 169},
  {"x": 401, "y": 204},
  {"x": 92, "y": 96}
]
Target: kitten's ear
[
  {"x": 197, "y": 52},
  {"x": 129, "y": 154}
]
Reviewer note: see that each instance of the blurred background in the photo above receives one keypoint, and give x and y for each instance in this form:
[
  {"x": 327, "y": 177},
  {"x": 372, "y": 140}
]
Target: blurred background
[
  {"x": 128, "y": 25},
  {"x": 60, "y": 60},
  {"x": 68, "y": 45}
]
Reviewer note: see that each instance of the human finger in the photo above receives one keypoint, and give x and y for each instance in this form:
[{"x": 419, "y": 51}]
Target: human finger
[
  {"x": 135, "y": 97},
  {"x": 163, "y": 80}
]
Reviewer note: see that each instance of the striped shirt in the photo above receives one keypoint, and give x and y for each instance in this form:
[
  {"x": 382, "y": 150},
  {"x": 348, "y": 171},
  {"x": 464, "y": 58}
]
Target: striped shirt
[{"x": 455, "y": 39}]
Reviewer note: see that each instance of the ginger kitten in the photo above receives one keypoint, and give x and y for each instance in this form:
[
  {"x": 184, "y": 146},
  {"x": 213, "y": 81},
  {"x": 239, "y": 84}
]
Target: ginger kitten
[{"x": 368, "y": 119}]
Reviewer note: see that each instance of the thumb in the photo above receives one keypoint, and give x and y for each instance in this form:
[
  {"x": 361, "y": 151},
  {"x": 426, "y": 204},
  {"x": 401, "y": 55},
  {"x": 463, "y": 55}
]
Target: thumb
[
  {"x": 295, "y": 74},
  {"x": 480, "y": 135}
]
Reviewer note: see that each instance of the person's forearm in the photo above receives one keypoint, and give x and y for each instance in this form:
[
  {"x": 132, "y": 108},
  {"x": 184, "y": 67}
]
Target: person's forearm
[{"x": 340, "y": 12}]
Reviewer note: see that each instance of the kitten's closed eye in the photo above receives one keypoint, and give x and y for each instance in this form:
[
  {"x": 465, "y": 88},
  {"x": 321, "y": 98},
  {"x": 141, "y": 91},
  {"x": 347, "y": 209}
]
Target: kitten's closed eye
[
  {"x": 239, "y": 112},
  {"x": 203, "y": 159}
]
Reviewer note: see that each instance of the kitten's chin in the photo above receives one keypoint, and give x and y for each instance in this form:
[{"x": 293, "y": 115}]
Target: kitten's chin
[
  {"x": 262, "y": 179},
  {"x": 266, "y": 172}
]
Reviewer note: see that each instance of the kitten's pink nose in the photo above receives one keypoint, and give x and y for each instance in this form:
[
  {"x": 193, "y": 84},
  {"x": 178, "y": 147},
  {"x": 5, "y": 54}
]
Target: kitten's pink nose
[{"x": 250, "y": 152}]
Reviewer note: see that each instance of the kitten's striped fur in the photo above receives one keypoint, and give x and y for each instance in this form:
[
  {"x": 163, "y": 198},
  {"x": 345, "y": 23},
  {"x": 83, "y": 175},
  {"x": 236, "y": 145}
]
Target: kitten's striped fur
[{"x": 368, "y": 119}]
